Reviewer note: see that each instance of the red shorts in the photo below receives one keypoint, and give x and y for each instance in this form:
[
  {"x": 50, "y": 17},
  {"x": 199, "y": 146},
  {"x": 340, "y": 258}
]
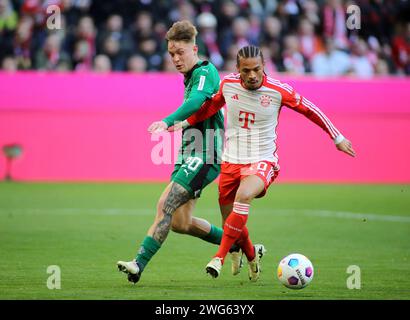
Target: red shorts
[{"x": 232, "y": 174}]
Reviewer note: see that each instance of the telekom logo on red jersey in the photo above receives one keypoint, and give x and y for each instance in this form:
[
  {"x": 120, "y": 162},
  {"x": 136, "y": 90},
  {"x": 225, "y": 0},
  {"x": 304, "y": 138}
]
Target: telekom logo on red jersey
[{"x": 248, "y": 117}]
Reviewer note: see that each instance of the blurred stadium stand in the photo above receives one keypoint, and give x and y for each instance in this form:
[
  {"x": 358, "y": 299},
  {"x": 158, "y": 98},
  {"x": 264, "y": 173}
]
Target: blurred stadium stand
[{"x": 297, "y": 36}]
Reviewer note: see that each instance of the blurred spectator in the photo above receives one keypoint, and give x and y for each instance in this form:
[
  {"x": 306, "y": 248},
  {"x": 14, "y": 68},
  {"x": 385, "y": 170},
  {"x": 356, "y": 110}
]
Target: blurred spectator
[
  {"x": 81, "y": 43},
  {"x": 102, "y": 64},
  {"x": 386, "y": 55},
  {"x": 228, "y": 12},
  {"x": 378, "y": 16},
  {"x": 230, "y": 61},
  {"x": 238, "y": 35},
  {"x": 272, "y": 38},
  {"x": 288, "y": 12},
  {"x": 271, "y": 30},
  {"x": 255, "y": 28},
  {"x": 382, "y": 68},
  {"x": 33, "y": 8},
  {"x": 332, "y": 62},
  {"x": 136, "y": 64},
  {"x": 22, "y": 42},
  {"x": 334, "y": 23},
  {"x": 360, "y": 62},
  {"x": 114, "y": 32},
  {"x": 74, "y": 10},
  {"x": 310, "y": 44},
  {"x": 270, "y": 66},
  {"x": 208, "y": 38},
  {"x": 63, "y": 66},
  {"x": 263, "y": 8},
  {"x": 82, "y": 56},
  {"x": 184, "y": 10},
  {"x": 112, "y": 49},
  {"x": 373, "y": 50},
  {"x": 37, "y": 9},
  {"x": 8, "y": 17},
  {"x": 51, "y": 55},
  {"x": 293, "y": 60},
  {"x": 9, "y": 64},
  {"x": 8, "y": 25},
  {"x": 311, "y": 12},
  {"x": 149, "y": 49},
  {"x": 142, "y": 26},
  {"x": 230, "y": 66},
  {"x": 401, "y": 49}
]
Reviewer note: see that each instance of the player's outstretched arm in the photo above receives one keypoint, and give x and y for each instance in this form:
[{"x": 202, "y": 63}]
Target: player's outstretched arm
[
  {"x": 207, "y": 110},
  {"x": 189, "y": 107},
  {"x": 346, "y": 147},
  {"x": 303, "y": 106}
]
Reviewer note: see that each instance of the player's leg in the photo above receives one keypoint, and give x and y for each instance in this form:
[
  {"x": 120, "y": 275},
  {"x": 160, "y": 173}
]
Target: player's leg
[
  {"x": 254, "y": 183},
  {"x": 228, "y": 185},
  {"x": 225, "y": 209},
  {"x": 229, "y": 181},
  {"x": 195, "y": 175},
  {"x": 249, "y": 188},
  {"x": 148, "y": 246},
  {"x": 267, "y": 172},
  {"x": 157, "y": 233},
  {"x": 235, "y": 251},
  {"x": 184, "y": 223},
  {"x": 179, "y": 193},
  {"x": 234, "y": 225}
]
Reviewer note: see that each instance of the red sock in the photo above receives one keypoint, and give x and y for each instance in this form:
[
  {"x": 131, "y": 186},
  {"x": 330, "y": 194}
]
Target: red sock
[
  {"x": 233, "y": 228},
  {"x": 246, "y": 244}
]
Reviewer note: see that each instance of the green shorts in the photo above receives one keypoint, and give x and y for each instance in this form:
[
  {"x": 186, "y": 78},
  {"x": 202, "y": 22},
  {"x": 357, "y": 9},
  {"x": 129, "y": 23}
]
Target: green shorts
[{"x": 194, "y": 175}]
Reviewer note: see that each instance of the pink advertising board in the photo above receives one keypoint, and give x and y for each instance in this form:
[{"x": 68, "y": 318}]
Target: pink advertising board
[{"x": 89, "y": 127}]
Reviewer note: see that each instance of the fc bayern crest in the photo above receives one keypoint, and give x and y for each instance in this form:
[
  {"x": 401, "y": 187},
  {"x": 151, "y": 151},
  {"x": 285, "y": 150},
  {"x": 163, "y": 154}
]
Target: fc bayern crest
[{"x": 265, "y": 101}]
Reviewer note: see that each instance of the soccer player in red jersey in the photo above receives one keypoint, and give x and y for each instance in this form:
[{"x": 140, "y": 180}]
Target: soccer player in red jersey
[{"x": 250, "y": 162}]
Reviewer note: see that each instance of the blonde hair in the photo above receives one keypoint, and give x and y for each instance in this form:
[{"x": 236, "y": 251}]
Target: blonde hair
[{"x": 182, "y": 31}]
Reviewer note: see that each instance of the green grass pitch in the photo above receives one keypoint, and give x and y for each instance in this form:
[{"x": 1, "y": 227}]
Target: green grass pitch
[{"x": 85, "y": 228}]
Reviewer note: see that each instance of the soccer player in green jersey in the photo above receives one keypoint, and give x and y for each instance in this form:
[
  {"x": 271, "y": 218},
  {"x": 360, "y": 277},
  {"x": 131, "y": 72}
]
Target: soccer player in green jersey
[{"x": 197, "y": 164}]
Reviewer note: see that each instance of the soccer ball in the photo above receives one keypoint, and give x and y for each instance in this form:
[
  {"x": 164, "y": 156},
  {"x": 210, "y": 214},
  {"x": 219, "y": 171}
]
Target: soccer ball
[{"x": 295, "y": 271}]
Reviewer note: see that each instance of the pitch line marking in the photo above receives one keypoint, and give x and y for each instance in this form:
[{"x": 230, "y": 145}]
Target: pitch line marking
[{"x": 208, "y": 212}]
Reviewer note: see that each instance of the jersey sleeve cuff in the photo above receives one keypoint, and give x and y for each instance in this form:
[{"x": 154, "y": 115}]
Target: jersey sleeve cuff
[
  {"x": 185, "y": 124},
  {"x": 167, "y": 122},
  {"x": 338, "y": 139}
]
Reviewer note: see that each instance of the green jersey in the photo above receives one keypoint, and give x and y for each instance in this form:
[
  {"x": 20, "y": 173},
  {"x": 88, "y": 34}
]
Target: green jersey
[
  {"x": 205, "y": 141},
  {"x": 198, "y": 161}
]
